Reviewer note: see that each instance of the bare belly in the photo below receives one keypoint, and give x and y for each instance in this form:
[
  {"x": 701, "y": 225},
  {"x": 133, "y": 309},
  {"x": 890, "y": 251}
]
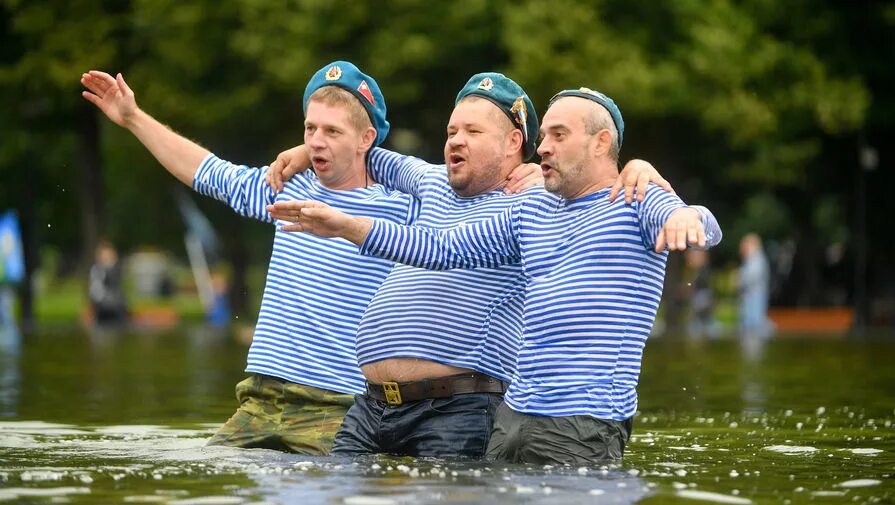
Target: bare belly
[{"x": 407, "y": 370}]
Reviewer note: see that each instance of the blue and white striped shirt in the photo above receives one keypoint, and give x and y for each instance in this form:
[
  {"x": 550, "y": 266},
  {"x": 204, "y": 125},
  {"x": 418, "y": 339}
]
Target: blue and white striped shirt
[
  {"x": 593, "y": 285},
  {"x": 470, "y": 319},
  {"x": 317, "y": 288}
]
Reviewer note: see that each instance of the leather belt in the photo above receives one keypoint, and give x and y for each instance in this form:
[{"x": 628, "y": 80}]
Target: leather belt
[{"x": 395, "y": 393}]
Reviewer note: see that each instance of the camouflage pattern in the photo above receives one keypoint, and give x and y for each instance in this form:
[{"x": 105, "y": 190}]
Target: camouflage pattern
[{"x": 284, "y": 416}]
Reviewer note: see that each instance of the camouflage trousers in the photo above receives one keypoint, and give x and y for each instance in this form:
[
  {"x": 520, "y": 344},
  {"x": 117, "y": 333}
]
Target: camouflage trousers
[{"x": 281, "y": 415}]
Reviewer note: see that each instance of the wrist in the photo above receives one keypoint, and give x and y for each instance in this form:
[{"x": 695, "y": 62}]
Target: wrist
[{"x": 358, "y": 229}]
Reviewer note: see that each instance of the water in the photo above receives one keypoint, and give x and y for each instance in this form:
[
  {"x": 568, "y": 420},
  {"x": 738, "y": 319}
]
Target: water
[{"x": 114, "y": 418}]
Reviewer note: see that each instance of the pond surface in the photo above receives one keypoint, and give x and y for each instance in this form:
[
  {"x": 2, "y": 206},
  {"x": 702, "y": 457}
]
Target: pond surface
[{"x": 123, "y": 418}]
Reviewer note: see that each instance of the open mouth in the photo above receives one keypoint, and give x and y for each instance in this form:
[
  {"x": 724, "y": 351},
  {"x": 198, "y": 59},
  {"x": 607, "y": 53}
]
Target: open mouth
[
  {"x": 319, "y": 162},
  {"x": 546, "y": 168},
  {"x": 455, "y": 160}
]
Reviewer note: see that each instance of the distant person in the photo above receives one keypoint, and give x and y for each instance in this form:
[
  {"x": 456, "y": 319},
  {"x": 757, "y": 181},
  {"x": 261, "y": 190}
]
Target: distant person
[
  {"x": 217, "y": 314},
  {"x": 753, "y": 285},
  {"x": 701, "y": 297},
  {"x": 105, "y": 288},
  {"x": 12, "y": 273}
]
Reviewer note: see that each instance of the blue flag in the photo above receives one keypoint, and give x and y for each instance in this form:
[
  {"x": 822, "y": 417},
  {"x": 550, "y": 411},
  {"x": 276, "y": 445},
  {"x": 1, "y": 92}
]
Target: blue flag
[{"x": 12, "y": 261}]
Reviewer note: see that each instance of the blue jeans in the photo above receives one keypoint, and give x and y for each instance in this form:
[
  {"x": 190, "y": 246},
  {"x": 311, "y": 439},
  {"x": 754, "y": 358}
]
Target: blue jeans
[{"x": 455, "y": 427}]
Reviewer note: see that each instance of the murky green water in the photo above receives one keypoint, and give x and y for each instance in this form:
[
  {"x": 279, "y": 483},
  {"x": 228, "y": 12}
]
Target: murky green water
[{"x": 123, "y": 419}]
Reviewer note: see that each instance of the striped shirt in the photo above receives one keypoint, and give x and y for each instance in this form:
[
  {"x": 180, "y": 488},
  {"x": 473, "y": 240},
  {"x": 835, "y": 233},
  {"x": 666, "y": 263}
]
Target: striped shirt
[
  {"x": 470, "y": 319},
  {"x": 593, "y": 284},
  {"x": 317, "y": 288}
]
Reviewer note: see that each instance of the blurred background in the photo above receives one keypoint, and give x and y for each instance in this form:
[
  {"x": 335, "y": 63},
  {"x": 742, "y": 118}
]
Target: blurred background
[{"x": 775, "y": 115}]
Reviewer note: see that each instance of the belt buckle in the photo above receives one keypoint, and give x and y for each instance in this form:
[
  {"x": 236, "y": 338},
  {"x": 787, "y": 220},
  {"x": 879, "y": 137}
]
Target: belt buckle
[{"x": 392, "y": 393}]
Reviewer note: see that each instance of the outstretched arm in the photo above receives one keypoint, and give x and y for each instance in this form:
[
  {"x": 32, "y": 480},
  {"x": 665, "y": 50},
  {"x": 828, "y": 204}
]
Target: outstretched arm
[
  {"x": 666, "y": 222},
  {"x": 179, "y": 155},
  {"x": 487, "y": 243}
]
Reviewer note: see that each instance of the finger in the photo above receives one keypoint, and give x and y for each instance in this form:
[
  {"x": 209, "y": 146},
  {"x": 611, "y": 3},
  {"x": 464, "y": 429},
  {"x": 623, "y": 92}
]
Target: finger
[
  {"x": 520, "y": 184},
  {"x": 101, "y": 78},
  {"x": 292, "y": 227},
  {"x": 95, "y": 100},
  {"x": 629, "y": 189},
  {"x": 533, "y": 179},
  {"x": 660, "y": 241},
  {"x": 123, "y": 85},
  {"x": 700, "y": 235},
  {"x": 272, "y": 176},
  {"x": 664, "y": 184},
  {"x": 278, "y": 174},
  {"x": 642, "y": 183},
  {"x": 692, "y": 235},
  {"x": 682, "y": 236},
  {"x": 313, "y": 212},
  {"x": 94, "y": 85},
  {"x": 616, "y": 187}
]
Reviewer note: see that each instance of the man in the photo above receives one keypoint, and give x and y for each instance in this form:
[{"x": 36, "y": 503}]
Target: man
[
  {"x": 593, "y": 280},
  {"x": 302, "y": 361},
  {"x": 438, "y": 348}
]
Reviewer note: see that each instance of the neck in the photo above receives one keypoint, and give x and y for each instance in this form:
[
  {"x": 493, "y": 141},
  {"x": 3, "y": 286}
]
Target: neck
[
  {"x": 355, "y": 177},
  {"x": 604, "y": 176}
]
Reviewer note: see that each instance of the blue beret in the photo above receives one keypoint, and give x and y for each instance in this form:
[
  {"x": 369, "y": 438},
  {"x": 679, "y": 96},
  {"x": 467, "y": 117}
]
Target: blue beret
[
  {"x": 347, "y": 76},
  {"x": 511, "y": 99},
  {"x": 601, "y": 99}
]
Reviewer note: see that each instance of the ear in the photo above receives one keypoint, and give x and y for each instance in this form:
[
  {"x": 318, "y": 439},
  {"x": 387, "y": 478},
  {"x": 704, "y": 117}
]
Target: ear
[
  {"x": 515, "y": 142},
  {"x": 367, "y": 139},
  {"x": 603, "y": 142}
]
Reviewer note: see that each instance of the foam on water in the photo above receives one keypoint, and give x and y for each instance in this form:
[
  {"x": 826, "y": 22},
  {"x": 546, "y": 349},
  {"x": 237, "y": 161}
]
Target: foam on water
[
  {"x": 860, "y": 483},
  {"x": 13, "y": 493},
  {"x": 791, "y": 449},
  {"x": 694, "y": 494},
  {"x": 865, "y": 451}
]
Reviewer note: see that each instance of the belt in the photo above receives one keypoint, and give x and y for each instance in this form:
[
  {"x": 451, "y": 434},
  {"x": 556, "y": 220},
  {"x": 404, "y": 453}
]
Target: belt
[{"x": 395, "y": 393}]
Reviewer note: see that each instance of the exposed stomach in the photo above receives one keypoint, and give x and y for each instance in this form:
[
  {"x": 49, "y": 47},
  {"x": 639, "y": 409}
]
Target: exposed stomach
[{"x": 408, "y": 370}]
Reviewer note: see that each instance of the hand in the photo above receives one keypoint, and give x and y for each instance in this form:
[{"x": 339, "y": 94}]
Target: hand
[
  {"x": 287, "y": 164},
  {"x": 321, "y": 220},
  {"x": 635, "y": 177},
  {"x": 523, "y": 177},
  {"x": 683, "y": 227},
  {"x": 112, "y": 95}
]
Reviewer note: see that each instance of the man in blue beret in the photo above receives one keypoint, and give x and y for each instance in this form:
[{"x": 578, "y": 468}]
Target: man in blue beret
[
  {"x": 302, "y": 362},
  {"x": 438, "y": 349}
]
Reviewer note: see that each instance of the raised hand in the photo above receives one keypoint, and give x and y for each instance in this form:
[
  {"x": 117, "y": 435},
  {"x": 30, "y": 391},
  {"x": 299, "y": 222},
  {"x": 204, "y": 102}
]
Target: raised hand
[
  {"x": 682, "y": 229},
  {"x": 634, "y": 178},
  {"x": 111, "y": 94}
]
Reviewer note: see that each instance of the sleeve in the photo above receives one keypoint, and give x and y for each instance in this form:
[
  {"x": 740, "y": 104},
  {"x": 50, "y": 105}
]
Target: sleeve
[
  {"x": 489, "y": 243},
  {"x": 712, "y": 229},
  {"x": 242, "y": 188},
  {"x": 398, "y": 171},
  {"x": 657, "y": 207}
]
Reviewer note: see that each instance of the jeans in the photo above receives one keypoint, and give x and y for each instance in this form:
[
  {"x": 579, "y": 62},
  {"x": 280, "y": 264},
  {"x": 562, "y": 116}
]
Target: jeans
[{"x": 454, "y": 427}]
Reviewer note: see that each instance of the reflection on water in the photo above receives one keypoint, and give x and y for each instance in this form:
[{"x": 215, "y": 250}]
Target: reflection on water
[{"x": 123, "y": 418}]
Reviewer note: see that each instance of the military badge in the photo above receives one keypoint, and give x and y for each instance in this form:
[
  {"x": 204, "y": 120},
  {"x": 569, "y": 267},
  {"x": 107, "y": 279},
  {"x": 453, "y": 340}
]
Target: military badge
[
  {"x": 333, "y": 73},
  {"x": 486, "y": 84},
  {"x": 521, "y": 114},
  {"x": 364, "y": 89}
]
